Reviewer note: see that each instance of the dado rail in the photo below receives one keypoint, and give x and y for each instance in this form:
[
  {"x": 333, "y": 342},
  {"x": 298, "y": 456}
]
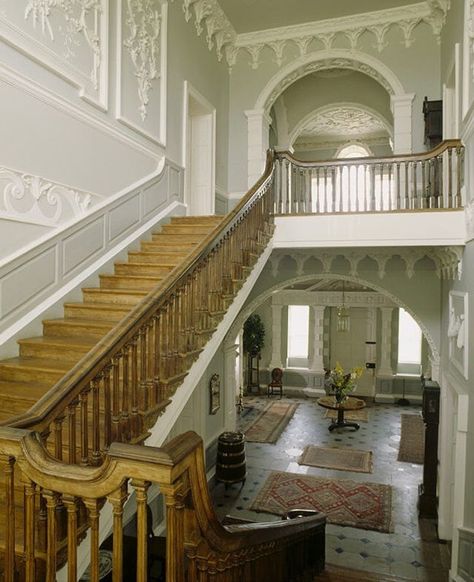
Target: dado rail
[{"x": 411, "y": 182}]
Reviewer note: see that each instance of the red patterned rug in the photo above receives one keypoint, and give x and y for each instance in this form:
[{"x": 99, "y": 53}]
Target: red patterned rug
[
  {"x": 271, "y": 422},
  {"x": 345, "y": 502}
]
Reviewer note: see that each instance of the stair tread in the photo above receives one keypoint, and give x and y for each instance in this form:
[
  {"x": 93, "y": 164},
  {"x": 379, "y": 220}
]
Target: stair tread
[
  {"x": 138, "y": 264},
  {"x": 115, "y": 291},
  {"x": 101, "y": 306},
  {"x": 105, "y": 323},
  {"x": 68, "y": 341},
  {"x": 37, "y": 363},
  {"x": 133, "y": 277},
  {"x": 23, "y": 389}
]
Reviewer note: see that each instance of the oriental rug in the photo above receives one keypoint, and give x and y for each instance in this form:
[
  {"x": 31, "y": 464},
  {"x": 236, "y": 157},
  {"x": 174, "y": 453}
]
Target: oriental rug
[
  {"x": 339, "y": 459},
  {"x": 412, "y": 439},
  {"x": 345, "y": 502},
  {"x": 353, "y": 415},
  {"x": 270, "y": 422}
]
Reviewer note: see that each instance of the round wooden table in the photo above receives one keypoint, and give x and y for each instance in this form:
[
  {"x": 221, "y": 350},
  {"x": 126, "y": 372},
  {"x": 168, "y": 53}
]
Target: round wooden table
[{"x": 350, "y": 404}]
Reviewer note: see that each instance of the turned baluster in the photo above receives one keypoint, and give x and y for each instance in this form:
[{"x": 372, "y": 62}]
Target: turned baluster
[
  {"x": 116, "y": 396},
  {"x": 58, "y": 437},
  {"x": 83, "y": 401},
  {"x": 174, "y": 534},
  {"x": 92, "y": 506},
  {"x": 71, "y": 508},
  {"x": 459, "y": 175},
  {"x": 117, "y": 500},
  {"x": 141, "y": 488},
  {"x": 133, "y": 365},
  {"x": 52, "y": 501},
  {"x": 125, "y": 412},
  {"x": 143, "y": 384},
  {"x": 29, "y": 539},
  {"x": 107, "y": 408},
  {"x": 71, "y": 422},
  {"x": 450, "y": 178},
  {"x": 96, "y": 453},
  {"x": 9, "y": 518}
]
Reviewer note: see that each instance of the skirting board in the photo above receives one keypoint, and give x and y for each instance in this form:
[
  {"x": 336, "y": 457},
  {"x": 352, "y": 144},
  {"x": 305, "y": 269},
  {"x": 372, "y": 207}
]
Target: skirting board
[{"x": 392, "y": 398}]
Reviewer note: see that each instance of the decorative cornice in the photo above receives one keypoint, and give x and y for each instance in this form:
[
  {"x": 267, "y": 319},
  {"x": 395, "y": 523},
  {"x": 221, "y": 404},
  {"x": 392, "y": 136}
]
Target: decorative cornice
[
  {"x": 222, "y": 35},
  {"x": 447, "y": 260},
  {"x": 32, "y": 199}
]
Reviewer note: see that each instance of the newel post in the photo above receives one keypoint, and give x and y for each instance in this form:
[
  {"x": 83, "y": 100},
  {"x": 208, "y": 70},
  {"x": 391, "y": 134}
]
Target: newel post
[{"x": 174, "y": 532}]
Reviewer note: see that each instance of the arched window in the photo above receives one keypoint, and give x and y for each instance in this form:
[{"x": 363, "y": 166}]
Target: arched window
[{"x": 353, "y": 150}]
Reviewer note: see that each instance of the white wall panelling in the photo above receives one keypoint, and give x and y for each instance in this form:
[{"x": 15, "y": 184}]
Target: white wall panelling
[
  {"x": 141, "y": 72},
  {"x": 34, "y": 280},
  {"x": 68, "y": 37}
]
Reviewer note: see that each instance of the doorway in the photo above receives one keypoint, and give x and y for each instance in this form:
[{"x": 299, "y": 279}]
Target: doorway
[{"x": 199, "y": 152}]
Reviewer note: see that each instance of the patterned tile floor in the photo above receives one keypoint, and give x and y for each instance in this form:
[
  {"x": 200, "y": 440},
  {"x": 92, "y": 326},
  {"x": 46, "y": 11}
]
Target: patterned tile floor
[{"x": 402, "y": 553}]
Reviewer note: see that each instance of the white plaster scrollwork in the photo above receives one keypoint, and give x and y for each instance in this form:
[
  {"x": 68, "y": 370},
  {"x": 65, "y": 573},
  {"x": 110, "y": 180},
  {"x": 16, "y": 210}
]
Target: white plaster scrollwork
[
  {"x": 143, "y": 46},
  {"x": 27, "y": 198},
  {"x": 81, "y": 18}
]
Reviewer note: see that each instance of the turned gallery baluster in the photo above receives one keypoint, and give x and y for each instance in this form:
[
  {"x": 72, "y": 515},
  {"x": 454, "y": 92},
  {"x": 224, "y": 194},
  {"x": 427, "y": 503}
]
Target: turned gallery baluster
[
  {"x": 450, "y": 178},
  {"x": 459, "y": 173},
  {"x": 29, "y": 538}
]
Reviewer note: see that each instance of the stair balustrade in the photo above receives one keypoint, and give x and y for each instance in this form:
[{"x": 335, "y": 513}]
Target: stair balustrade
[
  {"x": 428, "y": 180},
  {"x": 198, "y": 547}
]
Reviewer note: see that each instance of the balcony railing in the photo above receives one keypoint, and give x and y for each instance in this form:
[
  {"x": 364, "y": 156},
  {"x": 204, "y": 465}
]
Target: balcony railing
[{"x": 414, "y": 182}]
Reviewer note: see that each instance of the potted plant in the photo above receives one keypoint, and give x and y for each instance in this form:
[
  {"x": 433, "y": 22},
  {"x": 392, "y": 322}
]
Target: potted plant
[{"x": 341, "y": 383}]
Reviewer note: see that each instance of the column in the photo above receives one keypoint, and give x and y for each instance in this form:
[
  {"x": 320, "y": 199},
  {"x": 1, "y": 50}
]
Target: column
[
  {"x": 317, "y": 356},
  {"x": 401, "y": 106},
  {"x": 258, "y": 126},
  {"x": 276, "y": 362},
  {"x": 385, "y": 368},
  {"x": 231, "y": 387}
]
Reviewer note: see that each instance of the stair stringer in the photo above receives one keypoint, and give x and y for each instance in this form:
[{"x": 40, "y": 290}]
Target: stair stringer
[{"x": 160, "y": 431}]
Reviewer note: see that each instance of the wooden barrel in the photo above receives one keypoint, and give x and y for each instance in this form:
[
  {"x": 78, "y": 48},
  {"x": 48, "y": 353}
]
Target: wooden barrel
[{"x": 231, "y": 466}]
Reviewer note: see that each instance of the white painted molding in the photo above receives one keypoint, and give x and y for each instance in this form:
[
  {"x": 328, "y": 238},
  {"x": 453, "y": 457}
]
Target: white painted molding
[
  {"x": 469, "y": 211},
  {"x": 92, "y": 118},
  {"x": 145, "y": 47},
  {"x": 76, "y": 21},
  {"x": 36, "y": 200},
  {"x": 78, "y": 249},
  {"x": 328, "y": 59},
  {"x": 331, "y": 298},
  {"x": 222, "y": 35}
]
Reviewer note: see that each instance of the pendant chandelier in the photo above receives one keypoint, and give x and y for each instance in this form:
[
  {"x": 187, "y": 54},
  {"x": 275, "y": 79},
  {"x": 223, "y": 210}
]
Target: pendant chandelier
[{"x": 343, "y": 318}]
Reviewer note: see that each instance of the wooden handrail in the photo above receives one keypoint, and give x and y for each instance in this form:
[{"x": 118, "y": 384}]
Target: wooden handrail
[
  {"x": 438, "y": 150},
  {"x": 68, "y": 389},
  {"x": 194, "y": 532}
]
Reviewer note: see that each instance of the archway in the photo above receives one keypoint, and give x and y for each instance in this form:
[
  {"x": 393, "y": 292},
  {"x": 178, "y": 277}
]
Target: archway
[{"x": 259, "y": 119}]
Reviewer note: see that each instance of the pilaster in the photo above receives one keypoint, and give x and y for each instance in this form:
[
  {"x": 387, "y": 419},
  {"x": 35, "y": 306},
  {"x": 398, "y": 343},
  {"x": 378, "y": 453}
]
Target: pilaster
[
  {"x": 385, "y": 368},
  {"x": 258, "y": 125},
  {"x": 402, "y": 109},
  {"x": 276, "y": 362},
  {"x": 317, "y": 356}
]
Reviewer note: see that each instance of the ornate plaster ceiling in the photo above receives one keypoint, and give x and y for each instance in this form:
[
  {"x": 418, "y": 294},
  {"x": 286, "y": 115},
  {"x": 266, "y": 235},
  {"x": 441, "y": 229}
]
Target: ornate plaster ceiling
[
  {"x": 252, "y": 15},
  {"x": 341, "y": 123}
]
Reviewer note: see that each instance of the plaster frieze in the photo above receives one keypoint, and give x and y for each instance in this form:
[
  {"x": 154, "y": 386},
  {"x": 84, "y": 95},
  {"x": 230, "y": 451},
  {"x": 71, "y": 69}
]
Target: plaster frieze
[
  {"x": 222, "y": 35},
  {"x": 143, "y": 44},
  {"x": 81, "y": 17},
  {"x": 447, "y": 260},
  {"x": 32, "y": 199}
]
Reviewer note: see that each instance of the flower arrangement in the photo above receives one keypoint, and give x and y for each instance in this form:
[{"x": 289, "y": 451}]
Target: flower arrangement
[{"x": 341, "y": 384}]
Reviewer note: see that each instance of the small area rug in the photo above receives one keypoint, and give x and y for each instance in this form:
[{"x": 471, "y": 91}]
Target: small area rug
[
  {"x": 339, "y": 459},
  {"x": 270, "y": 423},
  {"x": 345, "y": 502},
  {"x": 355, "y": 415},
  {"x": 412, "y": 439}
]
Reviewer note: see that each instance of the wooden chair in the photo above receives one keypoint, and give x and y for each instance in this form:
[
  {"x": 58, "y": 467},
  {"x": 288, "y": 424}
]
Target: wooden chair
[{"x": 275, "y": 384}]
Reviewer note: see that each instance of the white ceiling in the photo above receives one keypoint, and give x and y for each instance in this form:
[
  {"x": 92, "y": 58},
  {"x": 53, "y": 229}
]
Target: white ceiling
[{"x": 252, "y": 15}]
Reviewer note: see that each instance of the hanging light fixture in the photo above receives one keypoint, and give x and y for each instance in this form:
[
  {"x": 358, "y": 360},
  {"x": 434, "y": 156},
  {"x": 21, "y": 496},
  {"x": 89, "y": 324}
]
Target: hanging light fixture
[{"x": 343, "y": 318}]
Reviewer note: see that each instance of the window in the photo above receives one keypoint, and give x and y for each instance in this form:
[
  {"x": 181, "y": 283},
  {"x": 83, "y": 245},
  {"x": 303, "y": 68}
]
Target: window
[
  {"x": 298, "y": 334},
  {"x": 409, "y": 344}
]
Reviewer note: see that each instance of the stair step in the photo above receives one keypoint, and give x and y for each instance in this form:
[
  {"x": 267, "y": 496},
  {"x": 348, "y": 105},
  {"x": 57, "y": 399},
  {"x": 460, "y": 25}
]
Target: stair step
[
  {"x": 179, "y": 239},
  {"x": 144, "y": 283},
  {"x": 77, "y": 327},
  {"x": 164, "y": 245},
  {"x": 61, "y": 348},
  {"x": 168, "y": 257},
  {"x": 191, "y": 229},
  {"x": 120, "y": 296},
  {"x": 154, "y": 269},
  {"x": 108, "y": 311},
  {"x": 205, "y": 219},
  {"x": 33, "y": 369},
  {"x": 18, "y": 397}
]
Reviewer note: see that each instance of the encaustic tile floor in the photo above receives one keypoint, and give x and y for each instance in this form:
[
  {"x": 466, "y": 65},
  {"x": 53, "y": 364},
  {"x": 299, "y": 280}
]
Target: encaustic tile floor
[{"x": 411, "y": 552}]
